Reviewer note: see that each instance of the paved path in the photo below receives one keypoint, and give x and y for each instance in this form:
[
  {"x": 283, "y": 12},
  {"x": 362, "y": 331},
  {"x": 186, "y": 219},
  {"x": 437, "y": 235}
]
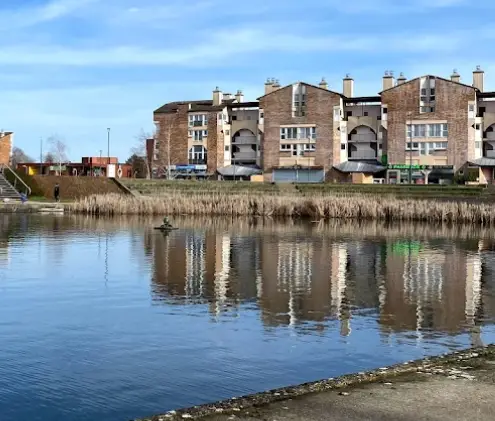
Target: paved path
[{"x": 461, "y": 395}]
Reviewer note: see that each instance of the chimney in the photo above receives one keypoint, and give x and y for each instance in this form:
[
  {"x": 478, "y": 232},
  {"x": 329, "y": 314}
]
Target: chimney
[
  {"x": 323, "y": 84},
  {"x": 2, "y": 133},
  {"x": 402, "y": 79},
  {"x": 217, "y": 96},
  {"x": 388, "y": 80},
  {"x": 455, "y": 77},
  {"x": 269, "y": 86},
  {"x": 348, "y": 86},
  {"x": 479, "y": 78},
  {"x": 227, "y": 96},
  {"x": 276, "y": 84},
  {"x": 239, "y": 97}
]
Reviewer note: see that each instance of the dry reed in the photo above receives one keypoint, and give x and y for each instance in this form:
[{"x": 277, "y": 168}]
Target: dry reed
[{"x": 316, "y": 208}]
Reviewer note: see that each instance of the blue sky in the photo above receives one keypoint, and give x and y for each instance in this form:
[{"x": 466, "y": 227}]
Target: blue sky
[{"x": 76, "y": 67}]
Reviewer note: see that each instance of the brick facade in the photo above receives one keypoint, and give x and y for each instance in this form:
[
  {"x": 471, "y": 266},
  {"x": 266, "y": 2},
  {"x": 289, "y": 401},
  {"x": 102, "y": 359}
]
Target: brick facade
[
  {"x": 277, "y": 107},
  {"x": 451, "y": 105},
  {"x": 174, "y": 124},
  {"x": 214, "y": 144},
  {"x": 6, "y": 148}
]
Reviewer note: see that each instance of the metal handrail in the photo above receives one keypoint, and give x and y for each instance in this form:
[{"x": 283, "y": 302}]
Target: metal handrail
[{"x": 3, "y": 167}]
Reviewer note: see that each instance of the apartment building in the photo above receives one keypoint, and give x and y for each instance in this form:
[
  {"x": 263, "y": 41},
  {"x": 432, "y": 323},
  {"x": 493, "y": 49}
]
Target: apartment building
[{"x": 423, "y": 130}]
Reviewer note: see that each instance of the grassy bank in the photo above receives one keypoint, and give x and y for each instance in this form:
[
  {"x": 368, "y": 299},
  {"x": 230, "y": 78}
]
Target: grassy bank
[
  {"x": 164, "y": 187},
  {"x": 316, "y": 208}
]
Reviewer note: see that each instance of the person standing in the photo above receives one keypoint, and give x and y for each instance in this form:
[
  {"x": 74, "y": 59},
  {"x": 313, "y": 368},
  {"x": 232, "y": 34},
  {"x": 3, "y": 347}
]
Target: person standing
[{"x": 56, "y": 192}]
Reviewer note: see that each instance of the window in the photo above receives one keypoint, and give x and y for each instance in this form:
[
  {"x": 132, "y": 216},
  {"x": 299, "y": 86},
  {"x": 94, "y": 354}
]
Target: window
[
  {"x": 379, "y": 117},
  {"x": 434, "y": 130},
  {"x": 294, "y": 133},
  {"x": 262, "y": 115},
  {"x": 471, "y": 107},
  {"x": 234, "y": 118},
  {"x": 477, "y": 144},
  {"x": 419, "y": 130},
  {"x": 440, "y": 145},
  {"x": 427, "y": 109},
  {"x": 227, "y": 132},
  {"x": 197, "y": 155},
  {"x": 199, "y": 135},
  {"x": 309, "y": 147},
  {"x": 427, "y": 130},
  {"x": 445, "y": 130},
  {"x": 385, "y": 110},
  {"x": 285, "y": 147},
  {"x": 415, "y": 146},
  {"x": 380, "y": 146},
  {"x": 198, "y": 120},
  {"x": 299, "y": 100},
  {"x": 191, "y": 133},
  {"x": 348, "y": 114},
  {"x": 365, "y": 113},
  {"x": 482, "y": 111},
  {"x": 227, "y": 148},
  {"x": 336, "y": 115},
  {"x": 477, "y": 127},
  {"x": 343, "y": 146}
]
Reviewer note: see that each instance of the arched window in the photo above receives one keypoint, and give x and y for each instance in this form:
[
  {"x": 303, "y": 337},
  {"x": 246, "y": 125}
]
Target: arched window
[{"x": 198, "y": 155}]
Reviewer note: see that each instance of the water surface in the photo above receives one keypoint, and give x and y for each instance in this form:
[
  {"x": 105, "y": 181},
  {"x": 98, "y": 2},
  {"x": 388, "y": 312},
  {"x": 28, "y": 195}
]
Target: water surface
[{"x": 111, "y": 320}]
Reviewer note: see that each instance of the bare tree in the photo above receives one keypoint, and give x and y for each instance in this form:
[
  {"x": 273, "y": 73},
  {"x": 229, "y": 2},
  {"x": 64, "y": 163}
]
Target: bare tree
[
  {"x": 140, "y": 150},
  {"x": 19, "y": 156},
  {"x": 58, "y": 148}
]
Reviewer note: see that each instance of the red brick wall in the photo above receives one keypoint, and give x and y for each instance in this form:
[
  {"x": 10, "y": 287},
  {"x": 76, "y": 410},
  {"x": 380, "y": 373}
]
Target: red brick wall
[
  {"x": 451, "y": 105},
  {"x": 214, "y": 144},
  {"x": 5, "y": 149},
  {"x": 278, "y": 112},
  {"x": 175, "y": 124}
]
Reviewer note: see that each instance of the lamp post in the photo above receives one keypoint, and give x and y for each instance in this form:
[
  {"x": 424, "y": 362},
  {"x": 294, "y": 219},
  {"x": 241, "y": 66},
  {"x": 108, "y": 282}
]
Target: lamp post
[
  {"x": 108, "y": 145},
  {"x": 41, "y": 156}
]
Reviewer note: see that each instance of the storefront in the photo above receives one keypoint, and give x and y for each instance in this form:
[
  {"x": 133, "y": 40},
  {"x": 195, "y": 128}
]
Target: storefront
[{"x": 419, "y": 174}]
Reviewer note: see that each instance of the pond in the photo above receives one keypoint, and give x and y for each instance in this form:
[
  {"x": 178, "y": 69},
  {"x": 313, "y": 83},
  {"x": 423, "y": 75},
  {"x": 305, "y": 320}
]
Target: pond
[{"x": 109, "y": 319}]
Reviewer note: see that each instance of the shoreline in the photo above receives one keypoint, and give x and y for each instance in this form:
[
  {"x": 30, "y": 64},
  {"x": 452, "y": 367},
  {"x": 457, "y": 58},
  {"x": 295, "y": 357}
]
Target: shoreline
[{"x": 456, "y": 361}]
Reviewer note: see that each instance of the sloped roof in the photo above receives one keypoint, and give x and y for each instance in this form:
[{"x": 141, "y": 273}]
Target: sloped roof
[
  {"x": 302, "y": 83},
  {"x": 360, "y": 166},
  {"x": 417, "y": 78},
  {"x": 238, "y": 170},
  {"x": 483, "y": 162}
]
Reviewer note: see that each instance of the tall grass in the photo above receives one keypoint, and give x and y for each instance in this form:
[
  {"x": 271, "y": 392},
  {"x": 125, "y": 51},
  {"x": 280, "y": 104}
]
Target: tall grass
[{"x": 316, "y": 208}]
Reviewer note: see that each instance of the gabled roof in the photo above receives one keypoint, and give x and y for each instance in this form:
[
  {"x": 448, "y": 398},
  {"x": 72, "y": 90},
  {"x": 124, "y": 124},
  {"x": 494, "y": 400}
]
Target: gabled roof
[
  {"x": 302, "y": 83},
  {"x": 483, "y": 162},
  {"x": 433, "y": 76},
  {"x": 172, "y": 107}
]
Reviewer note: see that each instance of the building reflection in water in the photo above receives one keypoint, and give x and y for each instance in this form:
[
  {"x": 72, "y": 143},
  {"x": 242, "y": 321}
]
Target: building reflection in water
[{"x": 304, "y": 279}]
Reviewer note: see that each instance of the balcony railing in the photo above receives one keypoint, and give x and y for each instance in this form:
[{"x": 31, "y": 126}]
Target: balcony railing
[
  {"x": 490, "y": 154},
  {"x": 197, "y": 162},
  {"x": 244, "y": 140},
  {"x": 362, "y": 155},
  {"x": 490, "y": 136}
]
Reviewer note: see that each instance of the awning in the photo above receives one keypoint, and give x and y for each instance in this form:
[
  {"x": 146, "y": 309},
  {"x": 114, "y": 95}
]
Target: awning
[
  {"x": 483, "y": 162},
  {"x": 370, "y": 167},
  {"x": 238, "y": 171}
]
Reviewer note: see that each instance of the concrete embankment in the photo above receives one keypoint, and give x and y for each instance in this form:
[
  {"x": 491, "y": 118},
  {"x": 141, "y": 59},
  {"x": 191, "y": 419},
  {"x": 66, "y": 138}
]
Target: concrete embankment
[
  {"x": 459, "y": 386},
  {"x": 33, "y": 207}
]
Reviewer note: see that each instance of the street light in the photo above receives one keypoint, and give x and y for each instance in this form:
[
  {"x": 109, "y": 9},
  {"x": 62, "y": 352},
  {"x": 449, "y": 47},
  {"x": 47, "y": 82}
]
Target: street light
[{"x": 108, "y": 144}]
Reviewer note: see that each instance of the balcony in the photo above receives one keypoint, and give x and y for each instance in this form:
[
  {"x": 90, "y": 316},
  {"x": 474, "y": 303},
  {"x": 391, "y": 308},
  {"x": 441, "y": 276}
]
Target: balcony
[
  {"x": 362, "y": 155},
  {"x": 362, "y": 138},
  {"x": 244, "y": 140},
  {"x": 244, "y": 155},
  {"x": 490, "y": 136}
]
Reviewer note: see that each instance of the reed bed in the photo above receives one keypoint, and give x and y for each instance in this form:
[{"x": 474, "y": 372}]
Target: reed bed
[{"x": 316, "y": 208}]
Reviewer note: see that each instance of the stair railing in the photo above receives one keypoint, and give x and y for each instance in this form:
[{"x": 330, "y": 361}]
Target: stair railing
[{"x": 17, "y": 179}]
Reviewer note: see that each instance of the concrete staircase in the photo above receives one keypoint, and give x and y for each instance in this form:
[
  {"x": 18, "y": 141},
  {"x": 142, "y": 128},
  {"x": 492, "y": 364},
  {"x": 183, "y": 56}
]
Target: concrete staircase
[{"x": 7, "y": 191}]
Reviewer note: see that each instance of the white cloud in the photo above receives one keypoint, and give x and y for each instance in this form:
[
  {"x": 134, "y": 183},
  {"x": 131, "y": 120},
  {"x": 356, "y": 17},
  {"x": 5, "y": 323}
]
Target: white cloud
[
  {"x": 227, "y": 45},
  {"x": 28, "y": 16}
]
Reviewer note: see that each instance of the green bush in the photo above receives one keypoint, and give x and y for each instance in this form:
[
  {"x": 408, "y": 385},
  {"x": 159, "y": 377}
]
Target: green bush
[{"x": 28, "y": 179}]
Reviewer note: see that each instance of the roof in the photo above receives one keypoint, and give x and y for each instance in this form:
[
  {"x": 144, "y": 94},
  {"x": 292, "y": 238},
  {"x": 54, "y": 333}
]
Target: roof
[
  {"x": 486, "y": 94},
  {"x": 483, "y": 162},
  {"x": 303, "y": 83},
  {"x": 360, "y": 166},
  {"x": 245, "y": 104},
  {"x": 436, "y": 77},
  {"x": 357, "y": 99},
  {"x": 238, "y": 170}
]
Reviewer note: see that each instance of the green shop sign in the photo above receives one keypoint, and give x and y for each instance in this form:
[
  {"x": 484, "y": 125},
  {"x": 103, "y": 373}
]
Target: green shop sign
[{"x": 419, "y": 167}]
